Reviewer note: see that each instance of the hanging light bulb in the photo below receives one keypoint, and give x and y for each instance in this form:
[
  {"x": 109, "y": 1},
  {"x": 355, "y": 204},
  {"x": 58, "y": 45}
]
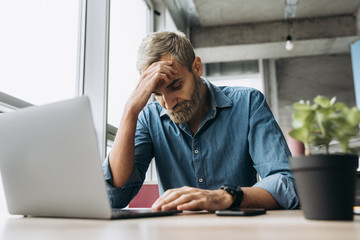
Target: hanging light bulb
[{"x": 289, "y": 44}]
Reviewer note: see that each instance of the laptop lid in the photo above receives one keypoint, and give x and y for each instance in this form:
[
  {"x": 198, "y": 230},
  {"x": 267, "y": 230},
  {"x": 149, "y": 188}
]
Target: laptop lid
[{"x": 50, "y": 163}]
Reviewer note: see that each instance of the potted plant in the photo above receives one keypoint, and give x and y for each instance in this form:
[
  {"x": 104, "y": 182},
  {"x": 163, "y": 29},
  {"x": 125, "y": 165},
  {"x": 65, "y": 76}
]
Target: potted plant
[{"x": 325, "y": 182}]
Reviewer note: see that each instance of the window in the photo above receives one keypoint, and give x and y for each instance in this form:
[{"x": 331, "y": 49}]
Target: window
[
  {"x": 38, "y": 54},
  {"x": 169, "y": 22},
  {"x": 239, "y": 73},
  {"x": 232, "y": 68},
  {"x": 129, "y": 24},
  {"x": 39, "y": 49}
]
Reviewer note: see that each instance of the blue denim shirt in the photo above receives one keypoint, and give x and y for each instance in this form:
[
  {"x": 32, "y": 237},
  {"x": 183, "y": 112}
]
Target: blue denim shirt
[{"x": 237, "y": 138}]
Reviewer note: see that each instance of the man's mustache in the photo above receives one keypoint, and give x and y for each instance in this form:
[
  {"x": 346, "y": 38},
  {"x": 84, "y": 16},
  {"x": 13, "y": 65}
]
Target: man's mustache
[{"x": 180, "y": 105}]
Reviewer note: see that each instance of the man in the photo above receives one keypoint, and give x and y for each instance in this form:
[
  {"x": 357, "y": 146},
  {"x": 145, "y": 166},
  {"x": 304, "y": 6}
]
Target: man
[{"x": 208, "y": 142}]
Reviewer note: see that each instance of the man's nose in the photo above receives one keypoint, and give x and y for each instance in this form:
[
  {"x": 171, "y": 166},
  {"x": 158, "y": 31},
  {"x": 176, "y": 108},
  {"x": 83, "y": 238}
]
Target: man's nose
[{"x": 169, "y": 102}]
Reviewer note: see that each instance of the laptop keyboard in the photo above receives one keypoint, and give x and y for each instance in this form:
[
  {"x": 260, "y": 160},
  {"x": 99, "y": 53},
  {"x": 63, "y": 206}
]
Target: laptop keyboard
[{"x": 137, "y": 213}]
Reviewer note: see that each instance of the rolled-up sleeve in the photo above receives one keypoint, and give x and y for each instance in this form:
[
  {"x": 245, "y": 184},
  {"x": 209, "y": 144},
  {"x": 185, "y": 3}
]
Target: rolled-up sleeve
[
  {"x": 282, "y": 188},
  {"x": 120, "y": 197},
  {"x": 270, "y": 153}
]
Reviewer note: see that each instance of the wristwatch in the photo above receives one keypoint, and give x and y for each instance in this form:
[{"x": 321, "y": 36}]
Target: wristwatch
[{"x": 237, "y": 194}]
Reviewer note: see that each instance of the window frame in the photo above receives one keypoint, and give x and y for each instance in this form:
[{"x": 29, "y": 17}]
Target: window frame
[
  {"x": 95, "y": 72},
  {"x": 9, "y": 103}
]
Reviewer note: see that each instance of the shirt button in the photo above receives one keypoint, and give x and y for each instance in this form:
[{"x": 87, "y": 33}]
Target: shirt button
[
  {"x": 201, "y": 180},
  {"x": 196, "y": 151}
]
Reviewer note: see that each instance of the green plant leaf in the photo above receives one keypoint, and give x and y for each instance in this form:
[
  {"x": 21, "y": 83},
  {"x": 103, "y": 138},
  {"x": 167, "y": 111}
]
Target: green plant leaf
[
  {"x": 302, "y": 106},
  {"x": 353, "y": 116},
  {"x": 322, "y": 101},
  {"x": 322, "y": 116},
  {"x": 324, "y": 121},
  {"x": 301, "y": 134},
  {"x": 302, "y": 118},
  {"x": 318, "y": 140},
  {"x": 340, "y": 107}
]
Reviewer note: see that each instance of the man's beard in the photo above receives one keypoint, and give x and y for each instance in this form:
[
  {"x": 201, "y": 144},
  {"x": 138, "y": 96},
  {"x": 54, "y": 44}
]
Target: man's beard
[{"x": 184, "y": 111}]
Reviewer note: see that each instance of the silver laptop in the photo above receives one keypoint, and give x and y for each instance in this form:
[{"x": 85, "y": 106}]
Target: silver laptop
[{"x": 50, "y": 164}]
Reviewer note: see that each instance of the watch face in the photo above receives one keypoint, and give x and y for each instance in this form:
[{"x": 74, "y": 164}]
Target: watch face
[{"x": 229, "y": 187}]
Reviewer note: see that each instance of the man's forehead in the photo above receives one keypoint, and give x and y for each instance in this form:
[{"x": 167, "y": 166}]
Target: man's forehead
[
  {"x": 179, "y": 75},
  {"x": 175, "y": 64},
  {"x": 162, "y": 85}
]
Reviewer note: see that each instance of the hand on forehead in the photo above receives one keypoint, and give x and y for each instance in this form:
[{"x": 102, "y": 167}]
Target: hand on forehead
[
  {"x": 175, "y": 64},
  {"x": 177, "y": 70}
]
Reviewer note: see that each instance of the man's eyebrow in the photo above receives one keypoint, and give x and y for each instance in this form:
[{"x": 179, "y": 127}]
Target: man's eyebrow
[
  {"x": 173, "y": 82},
  {"x": 169, "y": 86}
]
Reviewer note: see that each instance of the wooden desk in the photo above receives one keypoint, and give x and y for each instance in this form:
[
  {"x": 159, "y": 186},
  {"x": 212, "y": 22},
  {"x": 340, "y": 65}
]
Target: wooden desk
[{"x": 277, "y": 225}]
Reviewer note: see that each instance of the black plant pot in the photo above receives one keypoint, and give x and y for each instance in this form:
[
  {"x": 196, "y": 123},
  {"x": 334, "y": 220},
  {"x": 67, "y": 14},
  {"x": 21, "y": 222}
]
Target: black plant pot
[{"x": 326, "y": 185}]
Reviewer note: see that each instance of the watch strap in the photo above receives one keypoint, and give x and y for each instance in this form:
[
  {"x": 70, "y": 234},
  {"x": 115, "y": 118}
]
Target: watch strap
[{"x": 237, "y": 194}]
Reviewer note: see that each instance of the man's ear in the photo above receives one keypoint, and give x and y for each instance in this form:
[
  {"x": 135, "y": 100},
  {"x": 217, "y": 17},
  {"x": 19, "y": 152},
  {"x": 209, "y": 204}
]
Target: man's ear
[{"x": 197, "y": 67}]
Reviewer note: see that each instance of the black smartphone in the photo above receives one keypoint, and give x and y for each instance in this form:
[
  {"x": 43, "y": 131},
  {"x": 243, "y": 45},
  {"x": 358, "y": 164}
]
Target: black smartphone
[{"x": 241, "y": 212}]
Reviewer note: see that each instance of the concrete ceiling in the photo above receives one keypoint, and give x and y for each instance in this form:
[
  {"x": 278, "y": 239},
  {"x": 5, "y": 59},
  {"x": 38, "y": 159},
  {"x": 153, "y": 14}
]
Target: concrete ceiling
[
  {"x": 229, "y": 30},
  {"x": 224, "y": 12}
]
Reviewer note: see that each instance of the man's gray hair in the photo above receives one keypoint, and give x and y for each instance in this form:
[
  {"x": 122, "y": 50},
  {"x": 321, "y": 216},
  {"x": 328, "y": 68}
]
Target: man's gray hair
[{"x": 156, "y": 45}]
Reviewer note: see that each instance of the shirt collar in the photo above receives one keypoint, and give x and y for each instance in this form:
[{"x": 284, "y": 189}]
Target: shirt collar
[{"x": 217, "y": 98}]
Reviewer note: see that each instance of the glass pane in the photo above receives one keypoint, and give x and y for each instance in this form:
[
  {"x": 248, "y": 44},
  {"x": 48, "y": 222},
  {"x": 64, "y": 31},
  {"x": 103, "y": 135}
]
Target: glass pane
[
  {"x": 237, "y": 73},
  {"x": 128, "y": 26},
  {"x": 39, "y": 46},
  {"x": 253, "y": 82},
  {"x": 232, "y": 68},
  {"x": 169, "y": 22}
]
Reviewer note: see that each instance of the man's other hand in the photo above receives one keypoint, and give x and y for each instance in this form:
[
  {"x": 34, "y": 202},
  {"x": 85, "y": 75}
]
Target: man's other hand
[{"x": 189, "y": 198}]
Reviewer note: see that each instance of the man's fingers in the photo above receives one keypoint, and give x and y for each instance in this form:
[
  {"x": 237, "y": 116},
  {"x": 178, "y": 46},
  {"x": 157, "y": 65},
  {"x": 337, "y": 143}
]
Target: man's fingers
[
  {"x": 152, "y": 81},
  {"x": 152, "y": 77},
  {"x": 193, "y": 205},
  {"x": 169, "y": 70},
  {"x": 164, "y": 67},
  {"x": 163, "y": 199},
  {"x": 179, "y": 200},
  {"x": 188, "y": 198},
  {"x": 172, "y": 196}
]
